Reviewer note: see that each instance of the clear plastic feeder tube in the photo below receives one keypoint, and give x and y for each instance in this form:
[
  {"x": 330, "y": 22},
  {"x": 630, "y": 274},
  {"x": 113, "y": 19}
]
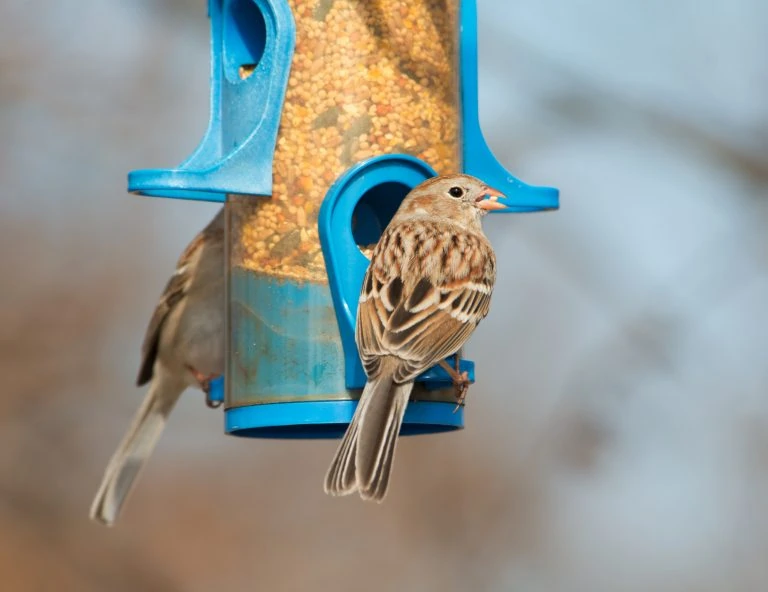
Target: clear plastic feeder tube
[{"x": 367, "y": 79}]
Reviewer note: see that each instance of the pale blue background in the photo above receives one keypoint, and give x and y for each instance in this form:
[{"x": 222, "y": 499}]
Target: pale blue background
[{"x": 617, "y": 441}]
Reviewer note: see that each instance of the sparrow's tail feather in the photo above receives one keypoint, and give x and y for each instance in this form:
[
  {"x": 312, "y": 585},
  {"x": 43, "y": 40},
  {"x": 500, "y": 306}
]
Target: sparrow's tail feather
[
  {"x": 363, "y": 461},
  {"x": 341, "y": 476},
  {"x": 135, "y": 449},
  {"x": 381, "y": 424}
]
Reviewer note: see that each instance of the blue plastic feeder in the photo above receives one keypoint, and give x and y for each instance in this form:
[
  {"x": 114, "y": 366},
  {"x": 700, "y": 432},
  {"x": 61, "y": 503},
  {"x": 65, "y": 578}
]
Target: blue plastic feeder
[{"x": 323, "y": 116}]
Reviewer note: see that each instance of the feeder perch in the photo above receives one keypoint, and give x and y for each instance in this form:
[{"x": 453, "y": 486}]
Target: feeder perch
[{"x": 324, "y": 114}]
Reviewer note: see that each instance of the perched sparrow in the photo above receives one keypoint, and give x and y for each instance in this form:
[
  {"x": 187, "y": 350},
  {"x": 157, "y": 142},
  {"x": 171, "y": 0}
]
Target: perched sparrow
[
  {"x": 183, "y": 346},
  {"x": 428, "y": 286}
]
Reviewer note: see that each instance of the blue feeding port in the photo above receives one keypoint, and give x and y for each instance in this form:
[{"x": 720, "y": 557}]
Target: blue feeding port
[
  {"x": 252, "y": 44},
  {"x": 311, "y": 174},
  {"x": 354, "y": 213},
  {"x": 478, "y": 159}
]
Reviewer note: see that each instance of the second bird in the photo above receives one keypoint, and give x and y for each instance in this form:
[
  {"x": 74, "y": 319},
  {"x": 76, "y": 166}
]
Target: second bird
[
  {"x": 183, "y": 346},
  {"x": 428, "y": 286}
]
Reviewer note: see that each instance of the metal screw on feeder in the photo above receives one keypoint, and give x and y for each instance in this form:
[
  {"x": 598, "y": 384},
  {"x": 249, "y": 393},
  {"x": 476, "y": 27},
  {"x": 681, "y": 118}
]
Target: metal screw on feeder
[{"x": 324, "y": 115}]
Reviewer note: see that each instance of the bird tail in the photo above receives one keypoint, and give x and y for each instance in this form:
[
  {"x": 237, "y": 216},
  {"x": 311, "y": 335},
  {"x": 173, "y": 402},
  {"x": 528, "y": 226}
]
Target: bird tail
[
  {"x": 363, "y": 461},
  {"x": 137, "y": 446}
]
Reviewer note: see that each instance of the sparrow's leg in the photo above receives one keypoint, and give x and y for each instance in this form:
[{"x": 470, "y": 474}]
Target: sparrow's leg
[
  {"x": 464, "y": 386},
  {"x": 205, "y": 384},
  {"x": 460, "y": 381}
]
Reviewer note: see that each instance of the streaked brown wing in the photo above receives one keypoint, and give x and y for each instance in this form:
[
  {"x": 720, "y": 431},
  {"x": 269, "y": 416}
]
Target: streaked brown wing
[
  {"x": 372, "y": 318},
  {"x": 174, "y": 292},
  {"x": 425, "y": 331}
]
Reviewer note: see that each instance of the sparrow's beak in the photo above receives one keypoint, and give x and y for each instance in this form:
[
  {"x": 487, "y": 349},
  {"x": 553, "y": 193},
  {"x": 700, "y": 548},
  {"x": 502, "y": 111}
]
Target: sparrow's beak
[{"x": 490, "y": 200}]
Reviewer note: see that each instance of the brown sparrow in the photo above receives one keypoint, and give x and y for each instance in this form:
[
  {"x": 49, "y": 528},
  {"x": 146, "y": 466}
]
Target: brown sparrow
[
  {"x": 183, "y": 346},
  {"x": 428, "y": 286}
]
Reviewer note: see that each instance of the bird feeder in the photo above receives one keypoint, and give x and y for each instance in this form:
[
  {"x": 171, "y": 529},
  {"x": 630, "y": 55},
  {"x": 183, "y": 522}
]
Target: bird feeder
[{"x": 324, "y": 114}]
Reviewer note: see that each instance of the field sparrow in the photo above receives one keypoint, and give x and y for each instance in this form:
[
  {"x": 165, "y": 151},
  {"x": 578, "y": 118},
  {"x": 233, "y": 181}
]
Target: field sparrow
[
  {"x": 183, "y": 346},
  {"x": 428, "y": 286}
]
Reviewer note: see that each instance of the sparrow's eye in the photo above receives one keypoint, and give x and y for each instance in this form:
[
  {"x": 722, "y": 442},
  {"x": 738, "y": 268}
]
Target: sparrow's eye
[{"x": 456, "y": 191}]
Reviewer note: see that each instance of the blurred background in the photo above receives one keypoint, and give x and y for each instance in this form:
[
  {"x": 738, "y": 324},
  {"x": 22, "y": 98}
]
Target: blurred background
[{"x": 618, "y": 439}]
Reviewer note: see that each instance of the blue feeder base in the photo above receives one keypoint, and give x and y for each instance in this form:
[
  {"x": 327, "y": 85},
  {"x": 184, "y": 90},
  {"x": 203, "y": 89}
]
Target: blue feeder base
[{"x": 327, "y": 419}]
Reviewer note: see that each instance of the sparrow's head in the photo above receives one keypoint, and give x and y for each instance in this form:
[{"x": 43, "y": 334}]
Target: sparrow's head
[{"x": 462, "y": 198}]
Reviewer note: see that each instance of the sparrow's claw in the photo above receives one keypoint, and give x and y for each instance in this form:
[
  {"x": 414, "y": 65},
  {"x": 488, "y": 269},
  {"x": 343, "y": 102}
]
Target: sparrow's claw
[
  {"x": 205, "y": 384},
  {"x": 462, "y": 388},
  {"x": 460, "y": 381}
]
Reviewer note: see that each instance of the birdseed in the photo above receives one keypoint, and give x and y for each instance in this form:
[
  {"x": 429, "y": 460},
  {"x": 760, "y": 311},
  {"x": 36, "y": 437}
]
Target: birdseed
[{"x": 369, "y": 77}]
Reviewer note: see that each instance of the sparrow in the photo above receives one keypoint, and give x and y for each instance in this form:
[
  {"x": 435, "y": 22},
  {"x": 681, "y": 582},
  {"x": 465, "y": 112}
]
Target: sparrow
[
  {"x": 183, "y": 347},
  {"x": 428, "y": 285}
]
